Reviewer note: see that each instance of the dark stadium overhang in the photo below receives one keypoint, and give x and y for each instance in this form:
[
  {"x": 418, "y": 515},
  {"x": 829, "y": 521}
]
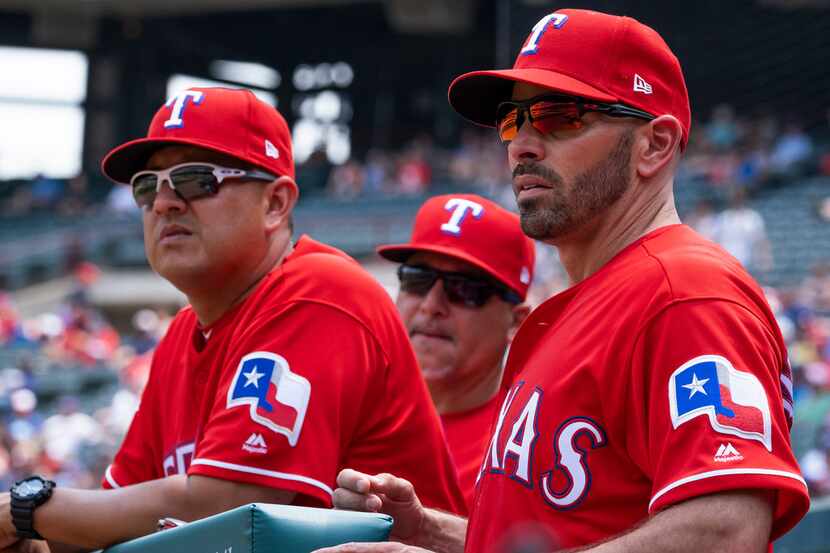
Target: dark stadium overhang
[{"x": 152, "y": 8}]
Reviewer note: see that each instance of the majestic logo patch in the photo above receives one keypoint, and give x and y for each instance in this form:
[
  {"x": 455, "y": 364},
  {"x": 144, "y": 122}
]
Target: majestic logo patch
[
  {"x": 734, "y": 401},
  {"x": 277, "y": 398},
  {"x": 255, "y": 444},
  {"x": 726, "y": 453}
]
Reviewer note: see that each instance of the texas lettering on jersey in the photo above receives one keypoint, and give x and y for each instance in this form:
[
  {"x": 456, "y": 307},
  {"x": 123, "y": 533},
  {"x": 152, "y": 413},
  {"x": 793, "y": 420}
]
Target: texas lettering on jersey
[
  {"x": 564, "y": 484},
  {"x": 179, "y": 460}
]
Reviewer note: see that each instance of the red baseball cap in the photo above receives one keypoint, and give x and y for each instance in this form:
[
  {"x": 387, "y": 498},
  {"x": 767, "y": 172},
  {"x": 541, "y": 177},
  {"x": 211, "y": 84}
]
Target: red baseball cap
[
  {"x": 226, "y": 120},
  {"x": 588, "y": 54},
  {"x": 475, "y": 230}
]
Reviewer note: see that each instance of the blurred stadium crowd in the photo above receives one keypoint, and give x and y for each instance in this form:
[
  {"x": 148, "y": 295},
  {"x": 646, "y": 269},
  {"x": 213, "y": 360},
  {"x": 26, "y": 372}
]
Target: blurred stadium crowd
[
  {"x": 69, "y": 382},
  {"x": 726, "y": 153}
]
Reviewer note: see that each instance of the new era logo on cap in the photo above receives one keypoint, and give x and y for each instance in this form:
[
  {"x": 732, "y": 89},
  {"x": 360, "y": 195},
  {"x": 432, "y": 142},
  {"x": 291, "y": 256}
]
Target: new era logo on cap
[
  {"x": 640, "y": 85},
  {"x": 271, "y": 150}
]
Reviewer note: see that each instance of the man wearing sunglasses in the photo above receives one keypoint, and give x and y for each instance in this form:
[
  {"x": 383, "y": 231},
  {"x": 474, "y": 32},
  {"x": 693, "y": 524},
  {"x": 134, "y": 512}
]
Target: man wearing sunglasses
[
  {"x": 289, "y": 363},
  {"x": 464, "y": 276},
  {"x": 649, "y": 404}
]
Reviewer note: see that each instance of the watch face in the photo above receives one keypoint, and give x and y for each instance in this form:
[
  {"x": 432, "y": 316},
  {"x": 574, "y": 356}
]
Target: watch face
[{"x": 29, "y": 488}]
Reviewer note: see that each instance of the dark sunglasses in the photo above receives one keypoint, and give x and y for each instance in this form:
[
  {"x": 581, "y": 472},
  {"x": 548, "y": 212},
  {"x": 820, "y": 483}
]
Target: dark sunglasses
[
  {"x": 188, "y": 180},
  {"x": 552, "y": 113},
  {"x": 460, "y": 288}
]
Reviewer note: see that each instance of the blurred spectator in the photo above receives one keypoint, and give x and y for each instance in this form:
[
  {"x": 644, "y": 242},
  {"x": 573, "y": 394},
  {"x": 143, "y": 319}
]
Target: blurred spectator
[
  {"x": 120, "y": 200},
  {"x": 753, "y": 161},
  {"x": 791, "y": 151},
  {"x": 65, "y": 431},
  {"x": 741, "y": 231},
  {"x": 313, "y": 175},
  {"x": 703, "y": 219},
  {"x": 723, "y": 130},
  {"x": 815, "y": 290},
  {"x": 823, "y": 209},
  {"x": 85, "y": 337},
  {"x": 9, "y": 320},
  {"x": 75, "y": 202},
  {"x": 46, "y": 192},
  {"x": 378, "y": 172},
  {"x": 414, "y": 171},
  {"x": 347, "y": 181},
  {"x": 24, "y": 423}
]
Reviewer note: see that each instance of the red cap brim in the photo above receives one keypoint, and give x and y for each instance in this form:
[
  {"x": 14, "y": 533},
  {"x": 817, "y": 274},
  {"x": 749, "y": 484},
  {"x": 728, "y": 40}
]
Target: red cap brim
[
  {"x": 476, "y": 95},
  {"x": 131, "y": 157},
  {"x": 399, "y": 253}
]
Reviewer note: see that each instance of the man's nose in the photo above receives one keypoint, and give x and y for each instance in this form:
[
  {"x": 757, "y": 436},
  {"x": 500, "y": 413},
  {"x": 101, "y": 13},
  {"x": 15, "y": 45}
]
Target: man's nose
[
  {"x": 435, "y": 301},
  {"x": 527, "y": 144},
  {"x": 167, "y": 199}
]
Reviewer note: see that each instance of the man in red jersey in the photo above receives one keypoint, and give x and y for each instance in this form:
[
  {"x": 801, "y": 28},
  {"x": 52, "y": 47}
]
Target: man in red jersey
[
  {"x": 650, "y": 403},
  {"x": 463, "y": 277},
  {"x": 289, "y": 364}
]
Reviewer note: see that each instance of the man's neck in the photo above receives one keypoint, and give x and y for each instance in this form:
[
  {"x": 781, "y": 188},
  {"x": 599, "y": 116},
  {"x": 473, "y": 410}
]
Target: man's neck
[
  {"x": 457, "y": 396},
  {"x": 585, "y": 252},
  {"x": 210, "y": 303}
]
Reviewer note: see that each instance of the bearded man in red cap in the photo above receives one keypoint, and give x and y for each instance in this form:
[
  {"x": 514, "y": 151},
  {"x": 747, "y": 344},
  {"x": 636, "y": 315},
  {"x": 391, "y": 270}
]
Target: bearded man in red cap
[
  {"x": 649, "y": 404},
  {"x": 289, "y": 364},
  {"x": 464, "y": 276}
]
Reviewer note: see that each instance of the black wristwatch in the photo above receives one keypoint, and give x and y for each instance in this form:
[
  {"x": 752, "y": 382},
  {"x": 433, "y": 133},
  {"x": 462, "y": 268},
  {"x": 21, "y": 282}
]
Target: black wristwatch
[{"x": 27, "y": 495}]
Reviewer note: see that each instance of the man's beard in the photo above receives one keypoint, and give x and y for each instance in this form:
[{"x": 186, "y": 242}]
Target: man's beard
[{"x": 561, "y": 211}]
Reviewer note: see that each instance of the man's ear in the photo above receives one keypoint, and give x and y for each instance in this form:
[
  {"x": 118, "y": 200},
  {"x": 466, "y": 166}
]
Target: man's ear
[
  {"x": 658, "y": 143},
  {"x": 280, "y": 198},
  {"x": 520, "y": 313}
]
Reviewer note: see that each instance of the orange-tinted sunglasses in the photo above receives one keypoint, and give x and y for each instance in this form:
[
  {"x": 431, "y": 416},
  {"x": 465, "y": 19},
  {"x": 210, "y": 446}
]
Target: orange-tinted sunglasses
[{"x": 551, "y": 113}]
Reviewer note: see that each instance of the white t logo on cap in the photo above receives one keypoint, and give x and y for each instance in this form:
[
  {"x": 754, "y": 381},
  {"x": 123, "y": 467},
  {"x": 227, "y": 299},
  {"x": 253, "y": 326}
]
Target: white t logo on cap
[
  {"x": 539, "y": 29},
  {"x": 179, "y": 101},
  {"x": 460, "y": 207}
]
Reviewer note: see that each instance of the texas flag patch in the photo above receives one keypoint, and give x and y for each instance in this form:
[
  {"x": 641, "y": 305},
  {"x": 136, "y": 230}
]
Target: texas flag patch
[
  {"x": 276, "y": 397},
  {"x": 734, "y": 401}
]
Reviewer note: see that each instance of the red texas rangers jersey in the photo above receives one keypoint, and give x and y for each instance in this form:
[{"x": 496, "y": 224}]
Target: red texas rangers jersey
[
  {"x": 468, "y": 438},
  {"x": 661, "y": 377},
  {"x": 312, "y": 373}
]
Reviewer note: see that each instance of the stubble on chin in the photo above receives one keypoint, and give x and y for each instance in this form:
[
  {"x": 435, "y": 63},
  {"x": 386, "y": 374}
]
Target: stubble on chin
[
  {"x": 565, "y": 208},
  {"x": 544, "y": 217}
]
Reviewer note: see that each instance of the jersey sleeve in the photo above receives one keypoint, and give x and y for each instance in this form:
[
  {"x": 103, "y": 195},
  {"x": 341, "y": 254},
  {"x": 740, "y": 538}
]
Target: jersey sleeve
[
  {"x": 131, "y": 465},
  {"x": 713, "y": 418},
  {"x": 290, "y": 401}
]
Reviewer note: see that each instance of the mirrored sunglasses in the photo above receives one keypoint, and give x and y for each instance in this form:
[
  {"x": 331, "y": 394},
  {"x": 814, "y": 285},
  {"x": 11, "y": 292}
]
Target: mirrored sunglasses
[
  {"x": 189, "y": 181},
  {"x": 551, "y": 113},
  {"x": 460, "y": 288}
]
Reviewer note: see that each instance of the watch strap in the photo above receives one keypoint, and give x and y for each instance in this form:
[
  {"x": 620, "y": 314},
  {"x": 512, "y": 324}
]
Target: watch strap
[
  {"x": 23, "y": 509},
  {"x": 24, "y": 523}
]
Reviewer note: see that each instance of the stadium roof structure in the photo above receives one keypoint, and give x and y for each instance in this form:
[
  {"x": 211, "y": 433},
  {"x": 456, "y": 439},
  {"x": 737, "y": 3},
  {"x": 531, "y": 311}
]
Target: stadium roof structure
[{"x": 159, "y": 7}]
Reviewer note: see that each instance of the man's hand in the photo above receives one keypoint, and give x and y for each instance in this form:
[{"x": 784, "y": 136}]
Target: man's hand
[
  {"x": 27, "y": 546},
  {"x": 380, "y": 547},
  {"x": 384, "y": 493},
  {"x": 414, "y": 525}
]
